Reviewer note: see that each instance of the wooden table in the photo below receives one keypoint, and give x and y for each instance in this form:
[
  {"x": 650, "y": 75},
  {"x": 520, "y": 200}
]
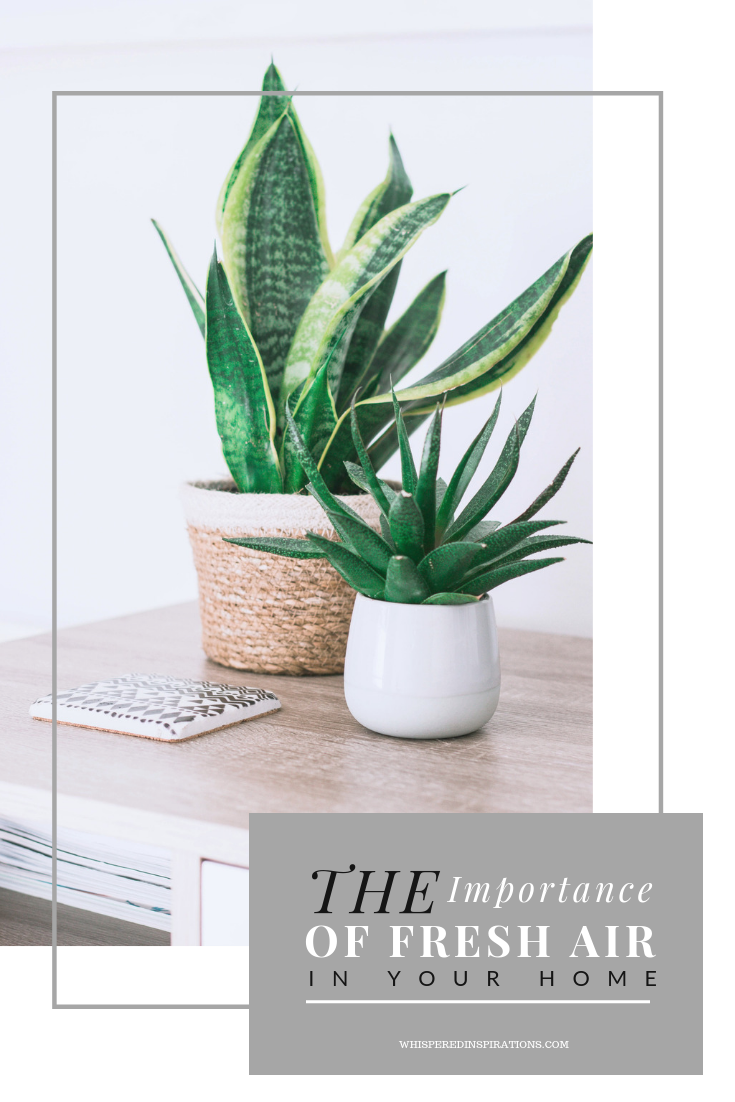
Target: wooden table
[{"x": 195, "y": 797}]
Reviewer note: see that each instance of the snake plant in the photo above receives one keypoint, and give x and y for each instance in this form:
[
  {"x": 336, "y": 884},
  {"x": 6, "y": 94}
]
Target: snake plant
[
  {"x": 428, "y": 553},
  {"x": 291, "y": 330}
]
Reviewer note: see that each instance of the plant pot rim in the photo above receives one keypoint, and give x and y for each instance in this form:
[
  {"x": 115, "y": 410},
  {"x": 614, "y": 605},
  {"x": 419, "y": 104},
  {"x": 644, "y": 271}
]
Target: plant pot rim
[{"x": 406, "y": 604}]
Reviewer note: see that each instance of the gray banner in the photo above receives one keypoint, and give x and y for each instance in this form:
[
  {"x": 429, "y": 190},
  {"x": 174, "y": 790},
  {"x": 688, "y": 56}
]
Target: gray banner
[{"x": 476, "y": 944}]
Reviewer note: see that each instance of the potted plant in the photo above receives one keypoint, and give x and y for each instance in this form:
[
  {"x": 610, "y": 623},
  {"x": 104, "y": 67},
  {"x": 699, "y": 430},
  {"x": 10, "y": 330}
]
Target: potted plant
[
  {"x": 291, "y": 331},
  {"x": 422, "y": 654}
]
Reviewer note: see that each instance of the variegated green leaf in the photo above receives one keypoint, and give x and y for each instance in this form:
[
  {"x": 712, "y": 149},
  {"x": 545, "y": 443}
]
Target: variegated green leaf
[
  {"x": 270, "y": 108},
  {"x": 244, "y": 410},
  {"x": 272, "y": 250},
  {"x": 317, "y": 487},
  {"x": 334, "y": 309},
  {"x": 408, "y": 339},
  {"x": 315, "y": 417},
  {"x": 403, "y": 583},
  {"x": 506, "y": 369},
  {"x": 392, "y": 192},
  {"x": 192, "y": 292},
  {"x": 501, "y": 337},
  {"x": 277, "y": 545}
]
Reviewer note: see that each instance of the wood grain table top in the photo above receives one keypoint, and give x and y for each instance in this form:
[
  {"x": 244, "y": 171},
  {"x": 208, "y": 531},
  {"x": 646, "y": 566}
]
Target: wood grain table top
[{"x": 534, "y": 755}]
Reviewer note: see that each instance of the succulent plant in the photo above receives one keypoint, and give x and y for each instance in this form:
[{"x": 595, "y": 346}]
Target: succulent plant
[
  {"x": 291, "y": 330},
  {"x": 427, "y": 554}
]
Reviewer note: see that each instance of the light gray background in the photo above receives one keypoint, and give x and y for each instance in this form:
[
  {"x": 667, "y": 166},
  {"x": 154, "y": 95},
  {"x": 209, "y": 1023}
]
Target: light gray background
[
  {"x": 288, "y": 1036},
  {"x": 135, "y": 403}
]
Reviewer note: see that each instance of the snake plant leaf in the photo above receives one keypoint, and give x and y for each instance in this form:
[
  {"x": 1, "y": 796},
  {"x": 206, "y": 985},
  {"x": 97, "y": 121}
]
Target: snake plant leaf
[
  {"x": 497, "y": 482},
  {"x": 533, "y": 545},
  {"x": 392, "y": 192},
  {"x": 357, "y": 369},
  {"x": 354, "y": 571},
  {"x": 277, "y": 545},
  {"x": 505, "y": 369},
  {"x": 550, "y": 491},
  {"x": 272, "y": 250},
  {"x": 317, "y": 487},
  {"x": 270, "y": 108},
  {"x": 409, "y": 477},
  {"x": 483, "y": 583},
  {"x": 426, "y": 486},
  {"x": 450, "y": 599},
  {"x": 374, "y": 485},
  {"x": 465, "y": 471},
  {"x": 366, "y": 543},
  {"x": 403, "y": 583},
  {"x": 407, "y": 526},
  {"x": 338, "y": 301},
  {"x": 505, "y": 539},
  {"x": 243, "y": 406},
  {"x": 497, "y": 340},
  {"x": 408, "y": 339},
  {"x": 357, "y": 474},
  {"x": 315, "y": 417},
  {"x": 192, "y": 292},
  {"x": 444, "y": 566}
]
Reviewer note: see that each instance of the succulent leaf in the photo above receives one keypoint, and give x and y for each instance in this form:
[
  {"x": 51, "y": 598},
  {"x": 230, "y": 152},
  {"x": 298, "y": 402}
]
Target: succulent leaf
[
  {"x": 336, "y": 304},
  {"x": 483, "y": 583},
  {"x": 272, "y": 249},
  {"x": 407, "y": 527},
  {"x": 551, "y": 490},
  {"x": 192, "y": 292},
  {"x": 482, "y": 530},
  {"x": 409, "y": 478},
  {"x": 374, "y": 485},
  {"x": 505, "y": 539},
  {"x": 403, "y": 583},
  {"x": 357, "y": 474},
  {"x": 366, "y": 543},
  {"x": 243, "y": 406},
  {"x": 533, "y": 545},
  {"x": 497, "y": 482},
  {"x": 465, "y": 471},
  {"x": 444, "y": 567},
  {"x": 450, "y": 599},
  {"x": 354, "y": 571},
  {"x": 317, "y": 487},
  {"x": 426, "y": 485},
  {"x": 278, "y": 545}
]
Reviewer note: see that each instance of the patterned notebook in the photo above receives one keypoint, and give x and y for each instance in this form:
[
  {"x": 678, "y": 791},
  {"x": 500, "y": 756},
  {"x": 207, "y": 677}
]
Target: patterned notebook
[{"x": 169, "y": 709}]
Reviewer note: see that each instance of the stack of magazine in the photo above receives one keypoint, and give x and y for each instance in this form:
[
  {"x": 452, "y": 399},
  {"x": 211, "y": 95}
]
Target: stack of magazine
[{"x": 122, "y": 879}]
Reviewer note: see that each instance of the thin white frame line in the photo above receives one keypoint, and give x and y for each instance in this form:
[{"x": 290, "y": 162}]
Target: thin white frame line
[{"x": 475, "y": 1002}]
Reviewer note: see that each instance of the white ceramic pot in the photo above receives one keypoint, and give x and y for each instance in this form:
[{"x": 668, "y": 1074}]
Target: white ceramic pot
[{"x": 422, "y": 671}]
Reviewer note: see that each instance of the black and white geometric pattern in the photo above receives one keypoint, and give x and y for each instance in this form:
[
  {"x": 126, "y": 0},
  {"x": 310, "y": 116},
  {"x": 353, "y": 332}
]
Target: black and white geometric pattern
[{"x": 157, "y": 706}]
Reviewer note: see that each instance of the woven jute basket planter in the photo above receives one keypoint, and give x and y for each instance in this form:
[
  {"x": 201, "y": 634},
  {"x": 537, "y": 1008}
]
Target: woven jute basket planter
[{"x": 261, "y": 612}]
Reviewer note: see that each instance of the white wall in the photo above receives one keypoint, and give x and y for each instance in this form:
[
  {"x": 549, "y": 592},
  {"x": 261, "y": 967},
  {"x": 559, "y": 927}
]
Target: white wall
[{"x": 135, "y": 407}]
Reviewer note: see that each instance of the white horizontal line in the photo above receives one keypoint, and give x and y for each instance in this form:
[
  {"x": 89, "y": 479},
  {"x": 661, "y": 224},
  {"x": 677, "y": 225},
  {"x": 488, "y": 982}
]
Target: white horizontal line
[{"x": 475, "y": 1002}]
